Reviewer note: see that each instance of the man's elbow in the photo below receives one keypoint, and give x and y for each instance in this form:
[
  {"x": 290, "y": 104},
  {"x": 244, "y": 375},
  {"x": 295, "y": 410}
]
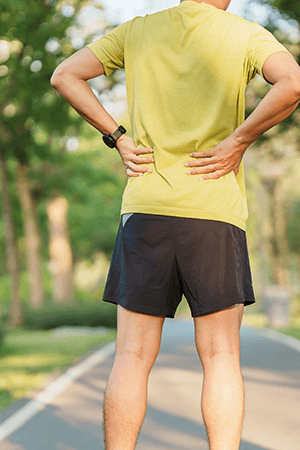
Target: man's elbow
[
  {"x": 294, "y": 83},
  {"x": 53, "y": 79},
  {"x": 291, "y": 84},
  {"x": 297, "y": 89},
  {"x": 56, "y": 77}
]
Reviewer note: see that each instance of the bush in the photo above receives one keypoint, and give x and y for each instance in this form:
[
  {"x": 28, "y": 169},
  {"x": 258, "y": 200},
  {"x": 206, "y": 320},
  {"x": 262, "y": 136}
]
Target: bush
[
  {"x": 74, "y": 313},
  {"x": 2, "y": 334}
]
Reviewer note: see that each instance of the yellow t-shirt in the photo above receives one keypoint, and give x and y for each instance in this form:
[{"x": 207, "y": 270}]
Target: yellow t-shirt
[{"x": 186, "y": 70}]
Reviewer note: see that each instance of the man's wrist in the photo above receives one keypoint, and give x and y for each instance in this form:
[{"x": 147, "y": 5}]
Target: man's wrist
[
  {"x": 111, "y": 139},
  {"x": 242, "y": 139},
  {"x": 121, "y": 138}
]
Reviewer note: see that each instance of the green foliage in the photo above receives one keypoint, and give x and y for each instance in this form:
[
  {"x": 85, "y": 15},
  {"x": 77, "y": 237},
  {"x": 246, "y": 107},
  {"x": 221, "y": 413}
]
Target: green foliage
[
  {"x": 5, "y": 287},
  {"x": 292, "y": 214},
  {"x": 278, "y": 11},
  {"x": 36, "y": 123},
  {"x": 29, "y": 99},
  {"x": 36, "y": 120},
  {"x": 74, "y": 313},
  {"x": 290, "y": 12},
  {"x": 291, "y": 331},
  {"x": 279, "y": 146},
  {"x": 290, "y": 9},
  {"x": 2, "y": 337},
  {"x": 94, "y": 192}
]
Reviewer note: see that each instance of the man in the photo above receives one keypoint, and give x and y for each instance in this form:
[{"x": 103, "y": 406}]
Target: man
[{"x": 184, "y": 209}]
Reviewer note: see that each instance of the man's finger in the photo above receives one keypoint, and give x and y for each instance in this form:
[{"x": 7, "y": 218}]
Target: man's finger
[
  {"x": 143, "y": 160},
  {"x": 132, "y": 174},
  {"x": 201, "y": 162},
  {"x": 206, "y": 153},
  {"x": 140, "y": 150},
  {"x": 204, "y": 169},
  {"x": 213, "y": 176},
  {"x": 135, "y": 168}
]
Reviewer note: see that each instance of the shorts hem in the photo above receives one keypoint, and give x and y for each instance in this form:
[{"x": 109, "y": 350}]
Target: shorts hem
[
  {"x": 138, "y": 310},
  {"x": 246, "y": 302}
]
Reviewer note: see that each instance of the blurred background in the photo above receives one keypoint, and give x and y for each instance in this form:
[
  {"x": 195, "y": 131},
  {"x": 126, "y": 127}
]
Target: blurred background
[{"x": 61, "y": 189}]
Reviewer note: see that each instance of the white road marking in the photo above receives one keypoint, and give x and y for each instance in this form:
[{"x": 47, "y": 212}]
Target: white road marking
[{"x": 19, "y": 418}]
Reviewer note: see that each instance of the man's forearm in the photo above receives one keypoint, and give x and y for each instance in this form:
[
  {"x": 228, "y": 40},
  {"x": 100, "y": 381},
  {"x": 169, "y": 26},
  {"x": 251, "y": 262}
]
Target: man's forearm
[
  {"x": 81, "y": 97},
  {"x": 276, "y": 106}
]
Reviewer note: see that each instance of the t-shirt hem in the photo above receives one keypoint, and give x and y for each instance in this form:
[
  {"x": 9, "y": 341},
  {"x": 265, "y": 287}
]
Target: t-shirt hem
[
  {"x": 179, "y": 212},
  {"x": 101, "y": 56},
  {"x": 264, "y": 56}
]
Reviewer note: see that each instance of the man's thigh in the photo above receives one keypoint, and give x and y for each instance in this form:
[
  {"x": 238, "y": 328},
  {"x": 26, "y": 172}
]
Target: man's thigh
[
  {"x": 219, "y": 332},
  {"x": 138, "y": 334}
]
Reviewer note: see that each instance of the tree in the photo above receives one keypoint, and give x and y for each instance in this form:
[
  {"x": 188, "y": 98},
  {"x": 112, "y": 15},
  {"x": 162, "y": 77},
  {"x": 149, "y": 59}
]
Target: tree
[
  {"x": 277, "y": 150},
  {"x": 17, "y": 318},
  {"x": 60, "y": 250},
  {"x": 36, "y": 121}
]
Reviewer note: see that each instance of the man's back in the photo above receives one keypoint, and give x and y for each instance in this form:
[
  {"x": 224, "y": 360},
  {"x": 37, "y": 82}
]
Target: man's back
[{"x": 186, "y": 72}]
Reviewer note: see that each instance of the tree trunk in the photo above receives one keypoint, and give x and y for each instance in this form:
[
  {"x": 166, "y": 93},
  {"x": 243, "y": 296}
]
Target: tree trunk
[
  {"x": 32, "y": 238},
  {"x": 280, "y": 233},
  {"x": 277, "y": 241},
  {"x": 16, "y": 317},
  {"x": 61, "y": 264},
  {"x": 274, "y": 250}
]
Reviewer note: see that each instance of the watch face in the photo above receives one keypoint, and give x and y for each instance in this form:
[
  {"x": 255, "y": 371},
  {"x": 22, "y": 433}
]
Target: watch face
[{"x": 108, "y": 140}]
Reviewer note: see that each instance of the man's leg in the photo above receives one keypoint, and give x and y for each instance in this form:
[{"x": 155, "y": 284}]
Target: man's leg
[
  {"x": 137, "y": 346},
  {"x": 222, "y": 404}
]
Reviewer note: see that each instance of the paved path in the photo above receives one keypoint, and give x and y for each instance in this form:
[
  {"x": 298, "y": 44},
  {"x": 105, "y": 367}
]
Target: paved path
[{"x": 73, "y": 419}]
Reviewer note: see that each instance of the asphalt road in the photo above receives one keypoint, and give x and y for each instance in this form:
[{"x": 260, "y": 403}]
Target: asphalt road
[{"x": 73, "y": 419}]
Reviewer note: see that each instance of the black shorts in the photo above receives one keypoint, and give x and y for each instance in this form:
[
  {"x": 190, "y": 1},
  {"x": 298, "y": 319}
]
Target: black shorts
[{"x": 158, "y": 258}]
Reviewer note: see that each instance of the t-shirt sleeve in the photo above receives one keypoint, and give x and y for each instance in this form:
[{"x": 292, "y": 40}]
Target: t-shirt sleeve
[
  {"x": 261, "y": 45},
  {"x": 109, "y": 49}
]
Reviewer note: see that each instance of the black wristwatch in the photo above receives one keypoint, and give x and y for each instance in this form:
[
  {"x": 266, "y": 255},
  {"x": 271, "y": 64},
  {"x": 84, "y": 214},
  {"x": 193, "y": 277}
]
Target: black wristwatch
[{"x": 111, "y": 139}]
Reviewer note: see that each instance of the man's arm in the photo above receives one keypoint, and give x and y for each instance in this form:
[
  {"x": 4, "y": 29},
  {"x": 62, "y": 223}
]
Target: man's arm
[
  {"x": 69, "y": 79},
  {"x": 281, "y": 70}
]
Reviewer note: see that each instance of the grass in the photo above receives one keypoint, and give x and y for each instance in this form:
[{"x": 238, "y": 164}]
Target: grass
[
  {"x": 291, "y": 331},
  {"x": 28, "y": 359}
]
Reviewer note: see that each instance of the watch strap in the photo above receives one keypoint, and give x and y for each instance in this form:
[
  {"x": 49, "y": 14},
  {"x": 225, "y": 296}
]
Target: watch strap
[
  {"x": 121, "y": 130},
  {"x": 111, "y": 139}
]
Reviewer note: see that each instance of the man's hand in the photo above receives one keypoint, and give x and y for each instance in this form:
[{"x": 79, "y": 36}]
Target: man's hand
[
  {"x": 129, "y": 152},
  {"x": 219, "y": 161}
]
